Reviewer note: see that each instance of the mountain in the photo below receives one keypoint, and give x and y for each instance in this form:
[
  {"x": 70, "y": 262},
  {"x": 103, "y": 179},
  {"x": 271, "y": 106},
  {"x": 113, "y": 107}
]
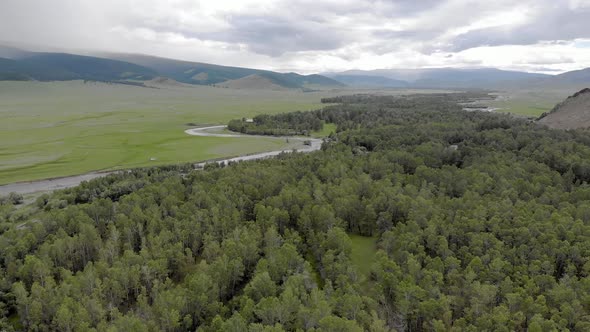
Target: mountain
[
  {"x": 576, "y": 76},
  {"x": 205, "y": 73},
  {"x": 367, "y": 81},
  {"x": 443, "y": 77},
  {"x": 574, "y": 112},
  {"x": 17, "y": 64},
  {"x": 63, "y": 66},
  {"x": 11, "y": 70},
  {"x": 8, "y": 52}
]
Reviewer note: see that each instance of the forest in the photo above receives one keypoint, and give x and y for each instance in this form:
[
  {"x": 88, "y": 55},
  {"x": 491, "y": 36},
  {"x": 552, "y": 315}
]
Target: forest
[
  {"x": 285, "y": 124},
  {"x": 481, "y": 223}
]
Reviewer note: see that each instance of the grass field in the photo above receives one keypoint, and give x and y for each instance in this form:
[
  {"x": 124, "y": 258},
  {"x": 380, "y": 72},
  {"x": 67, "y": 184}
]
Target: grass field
[
  {"x": 328, "y": 128},
  {"x": 66, "y": 128},
  {"x": 530, "y": 103},
  {"x": 363, "y": 252}
]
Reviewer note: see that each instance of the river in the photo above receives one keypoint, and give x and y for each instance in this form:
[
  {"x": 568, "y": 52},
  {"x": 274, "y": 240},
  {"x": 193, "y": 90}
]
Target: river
[{"x": 213, "y": 131}]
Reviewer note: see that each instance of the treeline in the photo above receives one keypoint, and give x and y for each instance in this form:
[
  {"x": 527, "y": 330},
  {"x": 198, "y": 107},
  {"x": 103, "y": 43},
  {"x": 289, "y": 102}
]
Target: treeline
[
  {"x": 352, "y": 112},
  {"x": 482, "y": 223},
  {"x": 287, "y": 124}
]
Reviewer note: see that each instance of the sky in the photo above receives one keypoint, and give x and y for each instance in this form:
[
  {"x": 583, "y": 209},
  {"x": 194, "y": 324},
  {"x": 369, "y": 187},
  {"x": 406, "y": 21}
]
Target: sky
[{"x": 306, "y": 36}]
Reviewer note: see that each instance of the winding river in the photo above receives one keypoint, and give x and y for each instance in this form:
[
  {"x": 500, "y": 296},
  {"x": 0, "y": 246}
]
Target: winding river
[{"x": 314, "y": 144}]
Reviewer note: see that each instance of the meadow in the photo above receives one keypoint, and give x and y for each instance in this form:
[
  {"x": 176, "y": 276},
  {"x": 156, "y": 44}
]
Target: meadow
[
  {"x": 362, "y": 256},
  {"x": 66, "y": 128},
  {"x": 530, "y": 103}
]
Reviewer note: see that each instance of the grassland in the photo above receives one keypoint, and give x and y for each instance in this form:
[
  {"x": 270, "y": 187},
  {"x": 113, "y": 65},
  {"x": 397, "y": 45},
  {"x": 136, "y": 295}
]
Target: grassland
[
  {"x": 326, "y": 131},
  {"x": 363, "y": 253},
  {"x": 530, "y": 103},
  {"x": 66, "y": 128}
]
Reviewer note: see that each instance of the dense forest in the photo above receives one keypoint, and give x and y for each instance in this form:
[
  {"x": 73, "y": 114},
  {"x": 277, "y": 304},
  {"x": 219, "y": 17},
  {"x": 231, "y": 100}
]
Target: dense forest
[
  {"x": 482, "y": 223},
  {"x": 286, "y": 124}
]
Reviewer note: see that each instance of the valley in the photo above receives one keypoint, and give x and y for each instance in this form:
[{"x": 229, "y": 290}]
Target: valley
[
  {"x": 65, "y": 128},
  {"x": 43, "y": 186},
  {"x": 294, "y": 165}
]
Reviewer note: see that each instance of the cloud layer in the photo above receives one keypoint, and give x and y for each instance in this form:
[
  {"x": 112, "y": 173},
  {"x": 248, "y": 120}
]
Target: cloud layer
[{"x": 315, "y": 35}]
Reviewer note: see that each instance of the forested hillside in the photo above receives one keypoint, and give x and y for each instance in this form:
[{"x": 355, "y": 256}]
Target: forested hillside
[
  {"x": 482, "y": 223},
  {"x": 64, "y": 67}
]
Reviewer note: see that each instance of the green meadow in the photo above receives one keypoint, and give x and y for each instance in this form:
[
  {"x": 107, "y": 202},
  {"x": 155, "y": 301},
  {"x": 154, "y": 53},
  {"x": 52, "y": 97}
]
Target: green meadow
[
  {"x": 531, "y": 103},
  {"x": 66, "y": 128},
  {"x": 364, "y": 249}
]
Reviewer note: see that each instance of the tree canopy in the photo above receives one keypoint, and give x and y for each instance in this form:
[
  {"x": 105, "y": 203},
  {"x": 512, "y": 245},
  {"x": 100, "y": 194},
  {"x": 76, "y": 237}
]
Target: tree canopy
[{"x": 482, "y": 223}]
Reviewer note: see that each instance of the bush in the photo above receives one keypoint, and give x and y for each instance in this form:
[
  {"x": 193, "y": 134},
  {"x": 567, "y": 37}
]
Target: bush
[{"x": 12, "y": 198}]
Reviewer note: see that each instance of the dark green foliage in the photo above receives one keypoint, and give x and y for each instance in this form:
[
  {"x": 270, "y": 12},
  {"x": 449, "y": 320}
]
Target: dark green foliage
[
  {"x": 12, "y": 198},
  {"x": 483, "y": 224},
  {"x": 288, "y": 124}
]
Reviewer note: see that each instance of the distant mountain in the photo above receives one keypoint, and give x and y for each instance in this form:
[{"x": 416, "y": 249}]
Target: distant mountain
[
  {"x": 568, "y": 81},
  {"x": 574, "y": 112},
  {"x": 576, "y": 76},
  {"x": 61, "y": 67},
  {"x": 17, "y": 64},
  {"x": 8, "y": 52},
  {"x": 11, "y": 70},
  {"x": 367, "y": 81},
  {"x": 205, "y": 73},
  {"x": 445, "y": 77}
]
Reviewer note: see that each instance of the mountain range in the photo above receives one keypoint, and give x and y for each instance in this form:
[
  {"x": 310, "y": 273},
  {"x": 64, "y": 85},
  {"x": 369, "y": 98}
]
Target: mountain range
[
  {"x": 481, "y": 78},
  {"x": 18, "y": 64}
]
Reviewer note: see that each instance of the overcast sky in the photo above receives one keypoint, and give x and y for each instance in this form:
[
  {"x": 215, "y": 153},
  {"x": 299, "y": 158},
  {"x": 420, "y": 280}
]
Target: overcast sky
[{"x": 315, "y": 35}]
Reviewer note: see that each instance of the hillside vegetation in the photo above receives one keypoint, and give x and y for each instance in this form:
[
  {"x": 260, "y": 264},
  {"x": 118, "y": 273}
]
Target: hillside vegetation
[
  {"x": 207, "y": 74},
  {"x": 65, "y": 67},
  {"x": 482, "y": 223},
  {"x": 255, "y": 82}
]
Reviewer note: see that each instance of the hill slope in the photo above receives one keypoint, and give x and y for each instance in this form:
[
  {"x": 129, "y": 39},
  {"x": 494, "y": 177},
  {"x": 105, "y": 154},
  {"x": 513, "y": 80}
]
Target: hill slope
[
  {"x": 205, "y": 73},
  {"x": 11, "y": 70},
  {"x": 574, "y": 112},
  {"x": 17, "y": 64},
  {"x": 12, "y": 52},
  {"x": 576, "y": 76},
  {"x": 254, "y": 82},
  {"x": 63, "y": 67}
]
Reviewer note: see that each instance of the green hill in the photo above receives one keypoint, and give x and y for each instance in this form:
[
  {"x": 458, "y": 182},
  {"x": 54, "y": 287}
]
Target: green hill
[
  {"x": 207, "y": 74},
  {"x": 63, "y": 67},
  {"x": 21, "y": 65}
]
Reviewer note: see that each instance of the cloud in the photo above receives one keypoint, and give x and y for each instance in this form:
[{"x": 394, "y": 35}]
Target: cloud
[
  {"x": 314, "y": 35},
  {"x": 550, "y": 23},
  {"x": 272, "y": 36}
]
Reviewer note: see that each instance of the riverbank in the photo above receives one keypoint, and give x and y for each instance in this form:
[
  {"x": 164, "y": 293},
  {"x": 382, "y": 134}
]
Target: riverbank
[{"x": 47, "y": 185}]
